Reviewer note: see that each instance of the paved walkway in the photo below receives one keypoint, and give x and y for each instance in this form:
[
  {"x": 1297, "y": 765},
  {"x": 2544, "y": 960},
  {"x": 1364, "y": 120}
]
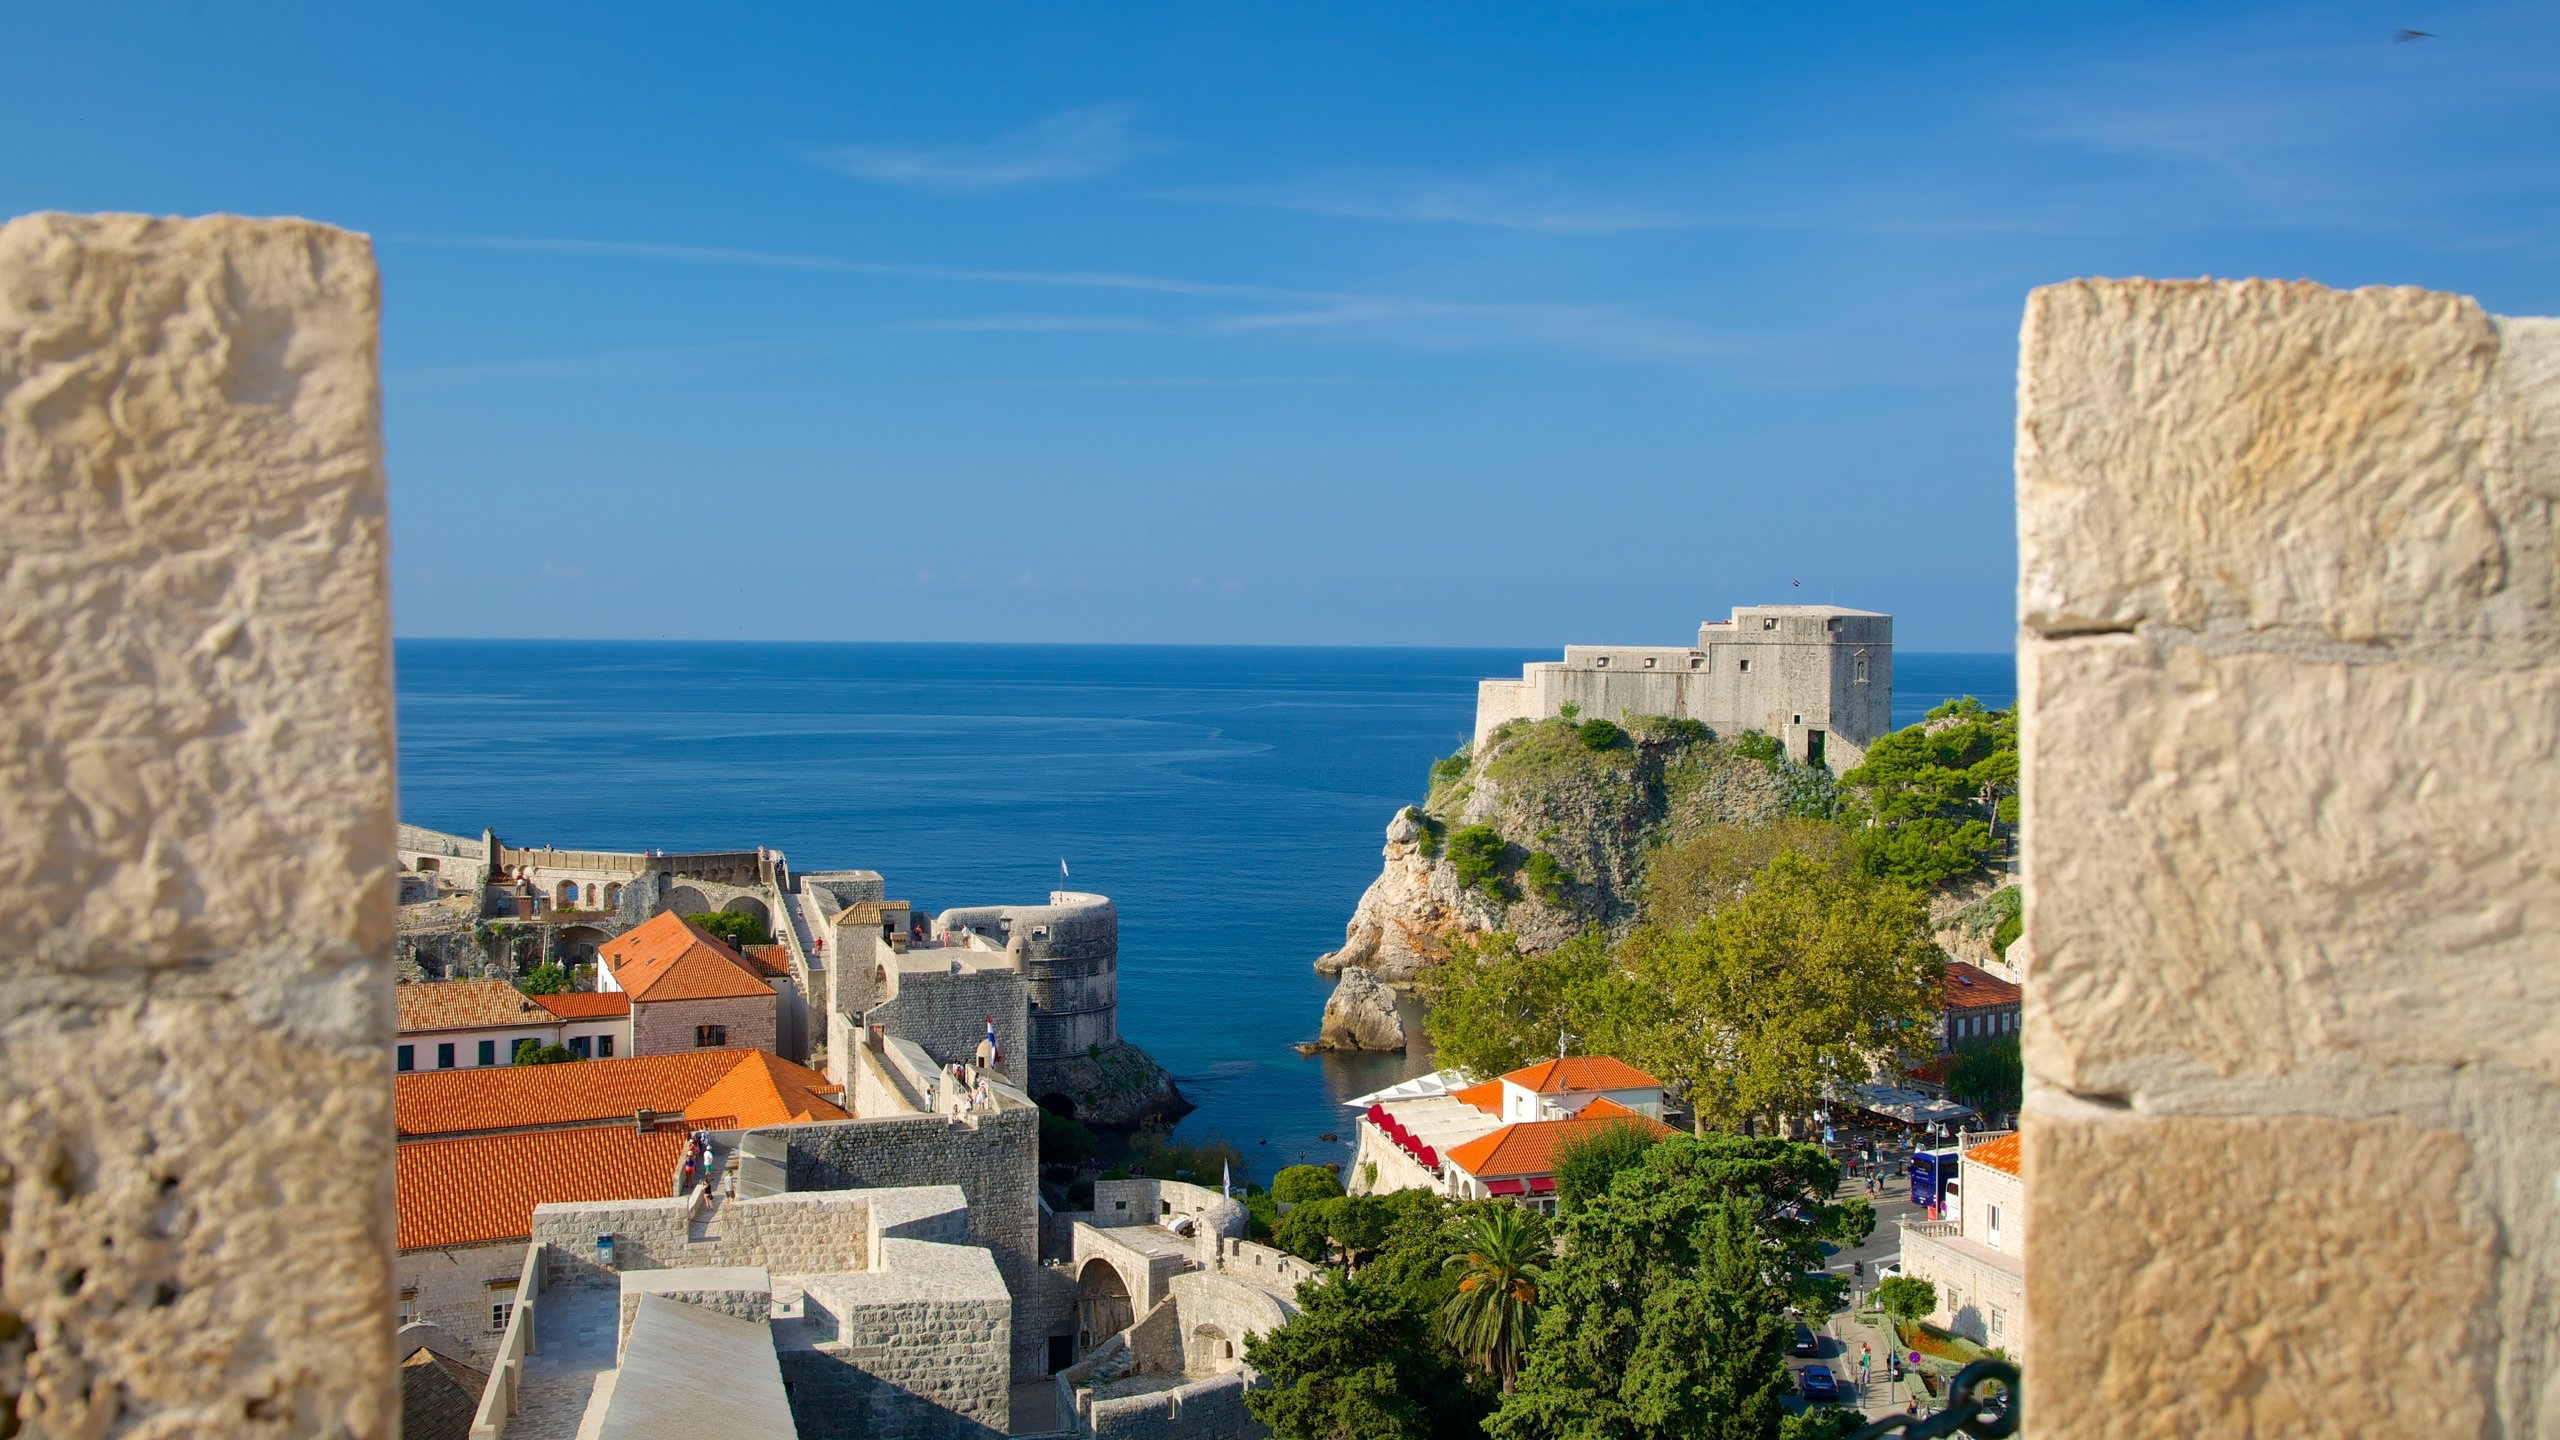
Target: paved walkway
[
  {"x": 1880, "y": 1396},
  {"x": 574, "y": 1329}
]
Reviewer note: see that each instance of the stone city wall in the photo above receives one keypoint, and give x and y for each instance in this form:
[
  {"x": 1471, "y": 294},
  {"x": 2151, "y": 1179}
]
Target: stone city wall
[
  {"x": 2290, "y": 740},
  {"x": 993, "y": 1158},
  {"x": 450, "y": 1287},
  {"x": 800, "y": 1234},
  {"x": 922, "y": 1348},
  {"x": 745, "y": 1292},
  {"x": 1395, "y": 1169},
  {"x": 947, "y": 1014},
  {"x": 196, "y": 831}
]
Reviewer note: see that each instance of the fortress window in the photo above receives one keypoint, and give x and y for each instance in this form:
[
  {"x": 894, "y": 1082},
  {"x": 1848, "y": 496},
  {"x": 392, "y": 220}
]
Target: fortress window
[
  {"x": 1861, "y": 678},
  {"x": 1697, "y": 662},
  {"x": 1648, "y": 662},
  {"x": 710, "y": 1037},
  {"x": 1769, "y": 622},
  {"x": 1600, "y": 662},
  {"x": 1746, "y": 667},
  {"x": 1832, "y": 624}
]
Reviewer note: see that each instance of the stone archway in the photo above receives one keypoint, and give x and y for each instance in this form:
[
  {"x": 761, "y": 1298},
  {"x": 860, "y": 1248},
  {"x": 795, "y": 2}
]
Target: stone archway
[
  {"x": 686, "y": 900},
  {"x": 750, "y": 905},
  {"x": 1210, "y": 1350},
  {"x": 1102, "y": 1304}
]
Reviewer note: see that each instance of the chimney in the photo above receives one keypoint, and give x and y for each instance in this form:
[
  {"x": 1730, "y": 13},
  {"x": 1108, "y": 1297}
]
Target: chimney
[{"x": 644, "y": 1120}]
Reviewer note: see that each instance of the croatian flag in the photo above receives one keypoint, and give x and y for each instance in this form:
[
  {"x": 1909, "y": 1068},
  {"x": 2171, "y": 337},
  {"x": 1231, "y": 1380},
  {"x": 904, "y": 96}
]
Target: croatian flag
[{"x": 995, "y": 1056}]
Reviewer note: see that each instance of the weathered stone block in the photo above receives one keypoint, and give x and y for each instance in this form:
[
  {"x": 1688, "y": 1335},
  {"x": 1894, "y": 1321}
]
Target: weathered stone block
[
  {"x": 195, "y": 831},
  {"x": 2293, "y": 1276}
]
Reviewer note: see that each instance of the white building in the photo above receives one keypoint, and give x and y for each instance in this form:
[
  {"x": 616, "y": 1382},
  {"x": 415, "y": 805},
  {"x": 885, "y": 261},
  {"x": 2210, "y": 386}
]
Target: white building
[
  {"x": 1500, "y": 1137},
  {"x": 1978, "y": 1261},
  {"x": 463, "y": 1024}
]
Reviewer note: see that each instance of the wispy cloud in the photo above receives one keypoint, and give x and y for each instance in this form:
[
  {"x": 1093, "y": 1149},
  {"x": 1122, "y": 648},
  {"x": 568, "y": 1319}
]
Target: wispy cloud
[
  {"x": 1414, "y": 321},
  {"x": 1075, "y": 144},
  {"x": 1040, "y": 324},
  {"x": 1510, "y": 200},
  {"x": 638, "y": 362}
]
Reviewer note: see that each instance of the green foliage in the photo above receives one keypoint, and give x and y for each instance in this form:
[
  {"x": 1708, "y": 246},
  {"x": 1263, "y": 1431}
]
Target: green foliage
[
  {"x": 1114, "y": 1173},
  {"x": 1907, "y": 1297},
  {"x": 1665, "y": 730},
  {"x": 1153, "y": 1153},
  {"x": 1476, "y": 853},
  {"x": 1686, "y": 881},
  {"x": 1343, "y": 1229},
  {"x": 1569, "y": 712},
  {"x": 1759, "y": 745},
  {"x": 1822, "y": 1422},
  {"x": 1262, "y": 1214},
  {"x": 732, "y": 927},
  {"x": 1553, "y": 752},
  {"x": 1064, "y": 1141},
  {"x": 1545, "y": 876},
  {"x": 1930, "y": 798},
  {"x": 1362, "y": 1360},
  {"x": 534, "y": 1052},
  {"x": 1585, "y": 1165},
  {"x": 1452, "y": 767},
  {"x": 1662, "y": 1316},
  {"x": 1809, "y": 978},
  {"x": 2006, "y": 933},
  {"x": 1807, "y": 791},
  {"x": 1369, "y": 1173},
  {"x": 1494, "y": 1009},
  {"x": 1297, "y": 1184},
  {"x": 1489, "y": 1317},
  {"x": 1434, "y": 831},
  {"x": 1988, "y": 1075},
  {"x": 547, "y": 978},
  {"x": 1602, "y": 735}
]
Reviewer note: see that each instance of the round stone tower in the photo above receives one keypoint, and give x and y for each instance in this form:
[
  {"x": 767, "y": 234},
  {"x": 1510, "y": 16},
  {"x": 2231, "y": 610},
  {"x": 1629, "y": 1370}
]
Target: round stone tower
[{"x": 1070, "y": 951}]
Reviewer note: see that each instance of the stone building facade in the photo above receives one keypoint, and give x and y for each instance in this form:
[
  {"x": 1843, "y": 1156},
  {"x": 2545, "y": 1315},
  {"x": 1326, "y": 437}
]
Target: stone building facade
[
  {"x": 1977, "y": 1259},
  {"x": 1819, "y": 677}
]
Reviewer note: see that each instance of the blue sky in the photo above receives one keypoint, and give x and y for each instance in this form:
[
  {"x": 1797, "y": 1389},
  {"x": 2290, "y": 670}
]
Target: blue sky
[{"x": 1447, "y": 324}]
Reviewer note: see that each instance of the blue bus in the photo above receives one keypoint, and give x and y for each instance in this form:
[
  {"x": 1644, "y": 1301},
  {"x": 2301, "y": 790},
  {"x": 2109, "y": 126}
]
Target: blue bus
[{"x": 1933, "y": 1176}]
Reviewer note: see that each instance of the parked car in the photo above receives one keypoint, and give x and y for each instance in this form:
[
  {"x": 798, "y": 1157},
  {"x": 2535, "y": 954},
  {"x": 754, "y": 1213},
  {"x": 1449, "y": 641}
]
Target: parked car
[
  {"x": 1817, "y": 1384},
  {"x": 1804, "y": 1342}
]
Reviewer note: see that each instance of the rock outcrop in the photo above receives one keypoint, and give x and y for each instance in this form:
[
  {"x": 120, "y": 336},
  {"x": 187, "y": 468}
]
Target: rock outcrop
[
  {"x": 1596, "y": 814},
  {"x": 1118, "y": 1086},
  {"x": 1361, "y": 1015}
]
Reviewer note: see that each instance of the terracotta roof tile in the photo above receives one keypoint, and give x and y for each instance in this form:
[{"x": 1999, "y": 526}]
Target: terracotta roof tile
[
  {"x": 586, "y": 1004},
  {"x": 772, "y": 961},
  {"x": 671, "y": 958},
  {"x": 1970, "y": 987},
  {"x": 1581, "y": 1072},
  {"x": 1529, "y": 1146},
  {"x": 439, "y": 1396},
  {"x": 762, "y": 1090},
  {"x": 483, "y": 1188},
  {"x": 465, "y": 1005},
  {"x": 578, "y": 1092},
  {"x": 1486, "y": 1097},
  {"x": 1999, "y": 1154}
]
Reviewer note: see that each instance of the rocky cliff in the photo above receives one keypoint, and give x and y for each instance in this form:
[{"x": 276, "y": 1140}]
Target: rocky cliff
[{"x": 1549, "y": 830}]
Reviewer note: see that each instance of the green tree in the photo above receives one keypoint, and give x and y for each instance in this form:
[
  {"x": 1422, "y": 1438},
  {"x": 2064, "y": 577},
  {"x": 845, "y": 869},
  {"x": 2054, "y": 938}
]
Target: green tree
[
  {"x": 1494, "y": 1009},
  {"x": 1662, "y": 1315},
  {"x": 1691, "y": 879},
  {"x": 732, "y": 927},
  {"x": 1347, "y": 1228},
  {"x": 547, "y": 978},
  {"x": 1602, "y": 735},
  {"x": 1810, "y": 979},
  {"x": 1586, "y": 1164},
  {"x": 1064, "y": 1141},
  {"x": 1907, "y": 1297},
  {"x": 1545, "y": 876},
  {"x": 1298, "y": 1184},
  {"x": 534, "y": 1052},
  {"x": 1929, "y": 800},
  {"x": 1488, "y": 1319},
  {"x": 1477, "y": 853},
  {"x": 1360, "y": 1361},
  {"x": 1988, "y": 1075}
]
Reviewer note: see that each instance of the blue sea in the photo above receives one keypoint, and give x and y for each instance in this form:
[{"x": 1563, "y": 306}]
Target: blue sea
[{"x": 1232, "y": 800}]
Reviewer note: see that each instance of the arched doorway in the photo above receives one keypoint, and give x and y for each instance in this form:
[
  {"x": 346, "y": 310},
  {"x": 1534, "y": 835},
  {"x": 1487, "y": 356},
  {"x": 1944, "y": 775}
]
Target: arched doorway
[
  {"x": 1102, "y": 1304},
  {"x": 1062, "y": 1106},
  {"x": 750, "y": 905},
  {"x": 566, "y": 896}
]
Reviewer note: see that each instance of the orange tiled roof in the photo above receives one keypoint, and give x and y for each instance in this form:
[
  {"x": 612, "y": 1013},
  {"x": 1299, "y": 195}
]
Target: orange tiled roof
[
  {"x": 537, "y": 1097},
  {"x": 773, "y": 961},
  {"x": 465, "y": 1005},
  {"x": 1970, "y": 987},
  {"x": 1529, "y": 1147},
  {"x": 762, "y": 1090},
  {"x": 1486, "y": 1097},
  {"x": 1581, "y": 1072},
  {"x": 586, "y": 1004},
  {"x": 483, "y": 1188},
  {"x": 1999, "y": 1154},
  {"x": 671, "y": 958}
]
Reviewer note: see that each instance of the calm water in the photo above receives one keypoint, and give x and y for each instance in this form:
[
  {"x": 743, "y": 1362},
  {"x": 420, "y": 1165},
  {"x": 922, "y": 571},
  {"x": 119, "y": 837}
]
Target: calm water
[{"x": 1231, "y": 800}]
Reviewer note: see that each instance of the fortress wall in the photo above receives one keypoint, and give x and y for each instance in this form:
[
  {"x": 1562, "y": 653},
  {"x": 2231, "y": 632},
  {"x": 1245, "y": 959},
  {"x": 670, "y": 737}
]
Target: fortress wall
[
  {"x": 2290, "y": 673},
  {"x": 196, "y": 831},
  {"x": 947, "y": 1014},
  {"x": 1069, "y": 950}
]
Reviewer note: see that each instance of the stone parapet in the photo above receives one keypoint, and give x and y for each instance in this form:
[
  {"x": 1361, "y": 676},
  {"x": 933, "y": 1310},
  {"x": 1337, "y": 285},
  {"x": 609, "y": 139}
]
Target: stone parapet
[{"x": 2290, "y": 687}]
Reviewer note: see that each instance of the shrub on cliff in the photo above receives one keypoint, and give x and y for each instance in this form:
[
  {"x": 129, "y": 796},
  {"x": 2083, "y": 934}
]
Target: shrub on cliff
[
  {"x": 1601, "y": 736},
  {"x": 1757, "y": 745},
  {"x": 1477, "y": 853},
  {"x": 1545, "y": 876}
]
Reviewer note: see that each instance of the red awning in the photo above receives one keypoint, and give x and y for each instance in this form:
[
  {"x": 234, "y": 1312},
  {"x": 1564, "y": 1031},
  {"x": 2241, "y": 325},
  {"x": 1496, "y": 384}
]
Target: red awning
[
  {"x": 1542, "y": 1185},
  {"x": 1429, "y": 1157},
  {"x": 1503, "y": 1187}
]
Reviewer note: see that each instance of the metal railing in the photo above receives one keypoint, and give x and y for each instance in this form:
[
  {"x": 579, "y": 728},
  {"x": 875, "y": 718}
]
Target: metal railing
[{"x": 1982, "y": 1400}]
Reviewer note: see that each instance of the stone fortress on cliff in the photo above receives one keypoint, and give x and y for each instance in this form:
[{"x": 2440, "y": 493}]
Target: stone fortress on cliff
[{"x": 1818, "y": 677}]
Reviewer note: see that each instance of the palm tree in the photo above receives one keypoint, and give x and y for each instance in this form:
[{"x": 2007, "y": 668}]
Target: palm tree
[{"x": 1488, "y": 1319}]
